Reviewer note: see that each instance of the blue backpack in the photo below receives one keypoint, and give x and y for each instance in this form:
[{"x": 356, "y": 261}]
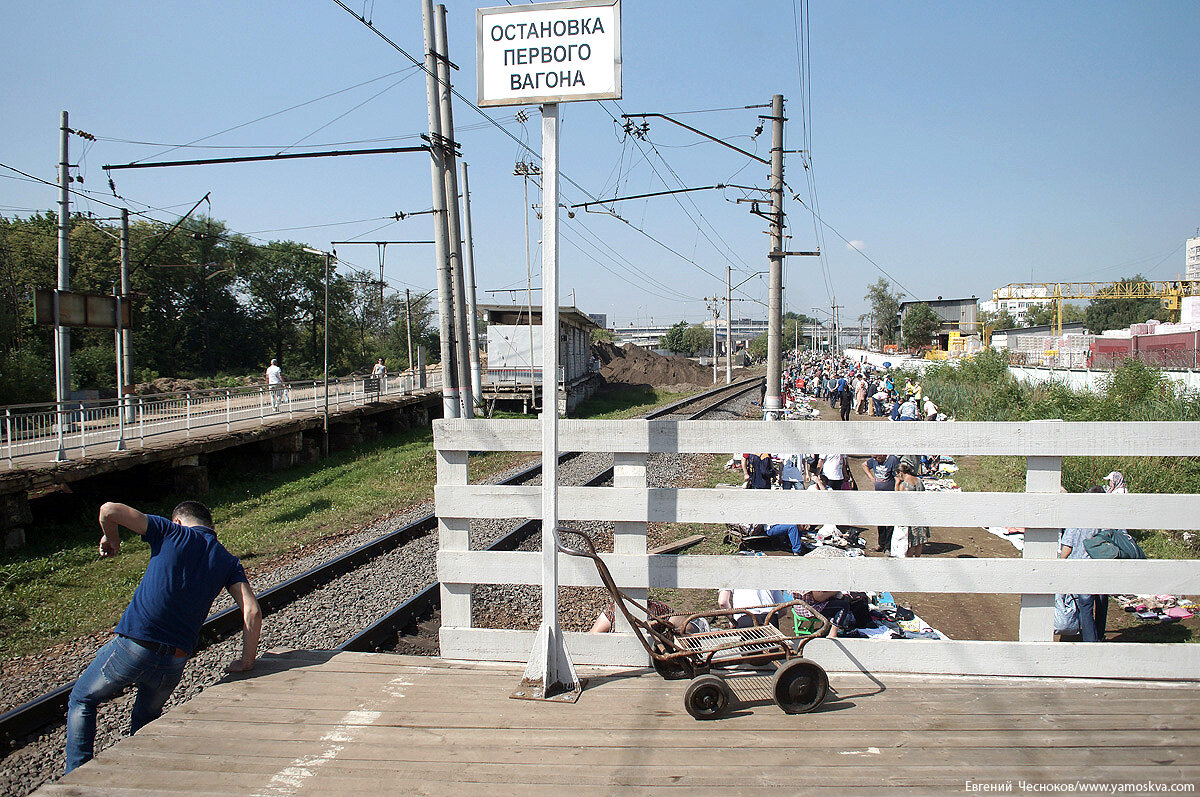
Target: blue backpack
[{"x": 1112, "y": 544}]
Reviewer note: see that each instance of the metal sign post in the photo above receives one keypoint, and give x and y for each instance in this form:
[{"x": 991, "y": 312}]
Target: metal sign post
[
  {"x": 549, "y": 53},
  {"x": 550, "y": 675}
]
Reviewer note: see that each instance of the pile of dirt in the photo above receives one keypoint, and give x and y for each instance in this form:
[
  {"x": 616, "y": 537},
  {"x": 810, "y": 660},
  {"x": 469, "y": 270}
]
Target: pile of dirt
[{"x": 633, "y": 365}]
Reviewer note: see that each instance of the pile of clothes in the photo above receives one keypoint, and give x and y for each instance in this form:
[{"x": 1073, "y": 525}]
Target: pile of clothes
[
  {"x": 873, "y": 615},
  {"x": 1159, "y": 608}
]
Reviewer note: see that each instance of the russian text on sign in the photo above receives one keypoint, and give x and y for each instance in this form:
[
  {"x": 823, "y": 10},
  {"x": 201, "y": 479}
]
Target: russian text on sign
[{"x": 579, "y": 40}]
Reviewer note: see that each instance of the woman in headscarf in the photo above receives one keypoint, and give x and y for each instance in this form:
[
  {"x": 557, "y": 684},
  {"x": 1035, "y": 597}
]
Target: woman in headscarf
[{"x": 1115, "y": 483}]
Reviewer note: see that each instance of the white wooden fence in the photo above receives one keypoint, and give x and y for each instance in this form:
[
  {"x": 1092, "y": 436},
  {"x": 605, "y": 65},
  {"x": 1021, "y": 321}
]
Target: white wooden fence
[{"x": 1043, "y": 509}]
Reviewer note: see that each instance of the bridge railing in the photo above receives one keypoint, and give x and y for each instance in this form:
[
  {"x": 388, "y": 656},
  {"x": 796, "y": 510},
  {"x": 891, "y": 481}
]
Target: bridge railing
[
  {"x": 74, "y": 429},
  {"x": 630, "y": 504}
]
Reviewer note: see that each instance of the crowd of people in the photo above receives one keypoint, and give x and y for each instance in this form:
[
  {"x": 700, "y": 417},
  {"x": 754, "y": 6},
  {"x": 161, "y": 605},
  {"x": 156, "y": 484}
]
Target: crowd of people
[{"x": 857, "y": 387}]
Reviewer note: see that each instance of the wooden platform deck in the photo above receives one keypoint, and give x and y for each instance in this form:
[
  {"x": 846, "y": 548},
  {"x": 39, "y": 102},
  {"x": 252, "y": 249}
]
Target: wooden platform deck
[{"x": 352, "y": 723}]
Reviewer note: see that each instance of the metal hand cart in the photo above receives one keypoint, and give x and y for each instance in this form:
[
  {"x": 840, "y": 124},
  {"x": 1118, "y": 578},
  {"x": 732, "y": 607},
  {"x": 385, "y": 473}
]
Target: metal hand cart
[{"x": 799, "y": 685}]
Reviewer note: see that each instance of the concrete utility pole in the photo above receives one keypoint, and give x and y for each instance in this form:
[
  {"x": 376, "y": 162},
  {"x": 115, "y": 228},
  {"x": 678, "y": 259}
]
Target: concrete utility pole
[
  {"x": 453, "y": 225},
  {"x": 773, "y": 401},
  {"x": 472, "y": 312},
  {"x": 441, "y": 235},
  {"x": 408, "y": 328},
  {"x": 837, "y": 328},
  {"x": 728, "y": 324},
  {"x": 62, "y": 335},
  {"x": 126, "y": 353}
]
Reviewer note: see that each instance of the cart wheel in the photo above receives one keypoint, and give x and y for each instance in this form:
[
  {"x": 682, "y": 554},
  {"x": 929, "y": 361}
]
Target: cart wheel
[
  {"x": 707, "y": 697},
  {"x": 800, "y": 686},
  {"x": 672, "y": 669}
]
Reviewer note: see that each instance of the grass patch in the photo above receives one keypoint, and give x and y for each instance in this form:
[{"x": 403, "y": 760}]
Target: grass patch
[
  {"x": 621, "y": 403},
  {"x": 980, "y": 388}
]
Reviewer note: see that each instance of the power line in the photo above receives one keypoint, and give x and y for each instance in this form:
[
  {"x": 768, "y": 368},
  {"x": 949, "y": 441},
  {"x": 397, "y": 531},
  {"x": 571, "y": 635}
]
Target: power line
[{"x": 277, "y": 113}]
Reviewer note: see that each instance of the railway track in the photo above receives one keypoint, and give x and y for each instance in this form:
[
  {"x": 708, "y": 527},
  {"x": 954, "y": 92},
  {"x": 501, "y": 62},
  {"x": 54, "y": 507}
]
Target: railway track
[
  {"x": 413, "y": 623},
  {"x": 409, "y": 625}
]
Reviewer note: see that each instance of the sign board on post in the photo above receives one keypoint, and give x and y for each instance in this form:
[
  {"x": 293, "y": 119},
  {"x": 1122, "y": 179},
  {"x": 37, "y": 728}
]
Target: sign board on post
[
  {"x": 93, "y": 310},
  {"x": 549, "y": 52}
]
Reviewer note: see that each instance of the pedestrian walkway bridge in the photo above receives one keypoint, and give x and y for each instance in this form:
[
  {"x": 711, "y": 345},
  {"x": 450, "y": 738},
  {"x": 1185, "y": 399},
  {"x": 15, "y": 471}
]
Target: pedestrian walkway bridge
[
  {"x": 320, "y": 723},
  {"x": 40, "y": 434}
]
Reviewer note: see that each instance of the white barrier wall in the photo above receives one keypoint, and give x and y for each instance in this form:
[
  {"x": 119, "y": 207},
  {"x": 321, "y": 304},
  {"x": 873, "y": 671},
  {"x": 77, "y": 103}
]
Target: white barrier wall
[{"x": 1042, "y": 510}]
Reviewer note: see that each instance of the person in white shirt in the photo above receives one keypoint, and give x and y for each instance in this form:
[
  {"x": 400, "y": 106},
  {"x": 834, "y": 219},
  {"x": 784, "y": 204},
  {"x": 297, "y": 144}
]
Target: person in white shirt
[
  {"x": 275, "y": 383},
  {"x": 832, "y": 470},
  {"x": 931, "y": 410},
  {"x": 758, "y": 603},
  {"x": 380, "y": 370}
]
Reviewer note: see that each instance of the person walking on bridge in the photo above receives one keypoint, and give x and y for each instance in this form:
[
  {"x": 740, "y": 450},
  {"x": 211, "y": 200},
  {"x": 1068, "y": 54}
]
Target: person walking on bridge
[
  {"x": 161, "y": 626},
  {"x": 275, "y": 383}
]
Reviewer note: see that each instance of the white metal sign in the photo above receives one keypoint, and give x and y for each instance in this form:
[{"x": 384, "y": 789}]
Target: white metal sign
[{"x": 548, "y": 52}]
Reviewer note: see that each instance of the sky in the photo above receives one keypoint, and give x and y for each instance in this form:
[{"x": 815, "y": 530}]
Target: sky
[{"x": 952, "y": 147}]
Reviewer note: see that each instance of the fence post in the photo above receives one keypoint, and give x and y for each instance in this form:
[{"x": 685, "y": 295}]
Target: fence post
[
  {"x": 188, "y": 400},
  {"x": 141, "y": 423},
  {"x": 8, "y": 432},
  {"x": 1042, "y": 475},
  {"x": 454, "y": 534},
  {"x": 629, "y": 537},
  {"x": 120, "y": 425},
  {"x": 228, "y": 407}
]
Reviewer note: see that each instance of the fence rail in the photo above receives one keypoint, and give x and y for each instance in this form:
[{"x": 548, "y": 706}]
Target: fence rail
[
  {"x": 630, "y": 504},
  {"x": 72, "y": 430}
]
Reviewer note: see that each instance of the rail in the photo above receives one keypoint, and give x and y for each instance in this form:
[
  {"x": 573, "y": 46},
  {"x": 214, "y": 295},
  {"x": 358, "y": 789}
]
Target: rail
[
  {"x": 73, "y": 429},
  {"x": 1043, "y": 509}
]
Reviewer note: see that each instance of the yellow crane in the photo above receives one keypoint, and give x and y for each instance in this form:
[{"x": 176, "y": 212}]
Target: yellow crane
[{"x": 1169, "y": 292}]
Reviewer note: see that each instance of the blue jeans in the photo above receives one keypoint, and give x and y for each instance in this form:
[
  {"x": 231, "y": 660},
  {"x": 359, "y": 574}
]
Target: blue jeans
[
  {"x": 1093, "y": 616},
  {"x": 118, "y": 664},
  {"x": 793, "y": 534}
]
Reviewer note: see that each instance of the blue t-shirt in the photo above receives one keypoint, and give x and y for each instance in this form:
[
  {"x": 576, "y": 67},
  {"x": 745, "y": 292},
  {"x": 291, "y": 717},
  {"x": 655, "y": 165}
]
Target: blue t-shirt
[
  {"x": 187, "y": 569},
  {"x": 885, "y": 472}
]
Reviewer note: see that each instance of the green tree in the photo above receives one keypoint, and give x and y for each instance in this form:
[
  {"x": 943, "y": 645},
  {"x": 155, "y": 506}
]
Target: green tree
[
  {"x": 275, "y": 280},
  {"x": 697, "y": 339},
  {"x": 601, "y": 334},
  {"x": 1039, "y": 315},
  {"x": 758, "y": 347},
  {"x": 921, "y": 325},
  {"x": 1105, "y": 314},
  {"x": 793, "y": 329},
  {"x": 885, "y": 306},
  {"x": 675, "y": 340},
  {"x": 424, "y": 333}
]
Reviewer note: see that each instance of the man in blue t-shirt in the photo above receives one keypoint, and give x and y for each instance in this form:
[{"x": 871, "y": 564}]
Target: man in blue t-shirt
[{"x": 161, "y": 626}]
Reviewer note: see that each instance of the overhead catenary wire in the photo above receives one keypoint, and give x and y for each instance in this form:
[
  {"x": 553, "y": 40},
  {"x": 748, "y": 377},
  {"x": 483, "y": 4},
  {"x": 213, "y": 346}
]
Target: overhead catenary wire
[
  {"x": 523, "y": 145},
  {"x": 277, "y": 113}
]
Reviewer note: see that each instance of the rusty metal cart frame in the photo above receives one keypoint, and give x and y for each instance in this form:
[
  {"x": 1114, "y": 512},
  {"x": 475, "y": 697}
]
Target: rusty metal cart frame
[{"x": 799, "y": 685}]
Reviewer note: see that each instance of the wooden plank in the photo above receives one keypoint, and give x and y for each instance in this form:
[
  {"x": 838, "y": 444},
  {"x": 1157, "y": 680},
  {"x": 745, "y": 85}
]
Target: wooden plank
[
  {"x": 677, "y": 545},
  {"x": 270, "y": 758},
  {"x": 1027, "y": 439},
  {"x": 327, "y": 777},
  {"x": 671, "y": 714},
  {"x": 493, "y": 700},
  {"x": 859, "y": 508},
  {"x": 955, "y": 657},
  {"x": 629, "y": 537},
  {"x": 1151, "y": 576},
  {"x": 182, "y": 737},
  {"x": 1036, "y": 624}
]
